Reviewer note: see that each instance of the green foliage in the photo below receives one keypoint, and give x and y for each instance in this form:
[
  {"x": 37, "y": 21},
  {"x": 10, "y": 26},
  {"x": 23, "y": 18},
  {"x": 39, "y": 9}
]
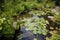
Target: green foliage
[
  {"x": 30, "y": 5},
  {"x": 57, "y": 18},
  {"x": 48, "y": 4},
  {"x": 37, "y": 25},
  {"x": 37, "y": 13},
  {"x": 1, "y": 21},
  {"x": 6, "y": 28},
  {"x": 8, "y": 8},
  {"x": 18, "y": 6},
  {"x": 55, "y": 37}
]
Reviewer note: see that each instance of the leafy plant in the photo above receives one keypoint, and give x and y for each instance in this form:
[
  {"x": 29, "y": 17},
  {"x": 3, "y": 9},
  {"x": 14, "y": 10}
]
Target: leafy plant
[
  {"x": 57, "y": 18},
  {"x": 37, "y": 25},
  {"x": 54, "y": 36},
  {"x": 37, "y": 12},
  {"x": 6, "y": 28}
]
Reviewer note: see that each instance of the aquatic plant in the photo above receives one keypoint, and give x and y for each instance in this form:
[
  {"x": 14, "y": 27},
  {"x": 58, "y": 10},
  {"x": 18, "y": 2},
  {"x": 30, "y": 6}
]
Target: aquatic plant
[{"x": 37, "y": 25}]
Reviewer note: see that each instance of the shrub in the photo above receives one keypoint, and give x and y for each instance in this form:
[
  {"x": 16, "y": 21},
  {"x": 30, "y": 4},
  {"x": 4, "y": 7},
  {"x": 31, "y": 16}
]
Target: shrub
[{"x": 6, "y": 28}]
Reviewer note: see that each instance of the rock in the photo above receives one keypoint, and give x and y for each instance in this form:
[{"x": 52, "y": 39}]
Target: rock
[{"x": 51, "y": 28}]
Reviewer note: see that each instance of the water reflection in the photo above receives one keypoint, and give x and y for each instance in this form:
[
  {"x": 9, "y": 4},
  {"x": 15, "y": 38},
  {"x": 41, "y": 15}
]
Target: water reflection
[{"x": 28, "y": 35}]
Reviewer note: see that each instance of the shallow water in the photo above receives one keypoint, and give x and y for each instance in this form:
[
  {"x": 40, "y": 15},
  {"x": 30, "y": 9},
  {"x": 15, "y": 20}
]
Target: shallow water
[{"x": 28, "y": 35}]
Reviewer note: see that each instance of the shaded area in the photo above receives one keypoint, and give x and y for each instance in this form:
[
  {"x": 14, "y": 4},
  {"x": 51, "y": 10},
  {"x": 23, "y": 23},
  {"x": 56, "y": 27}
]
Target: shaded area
[{"x": 28, "y": 35}]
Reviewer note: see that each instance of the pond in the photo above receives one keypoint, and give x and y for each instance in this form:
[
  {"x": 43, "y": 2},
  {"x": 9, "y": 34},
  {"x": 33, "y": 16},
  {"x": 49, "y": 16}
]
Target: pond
[{"x": 28, "y": 35}]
